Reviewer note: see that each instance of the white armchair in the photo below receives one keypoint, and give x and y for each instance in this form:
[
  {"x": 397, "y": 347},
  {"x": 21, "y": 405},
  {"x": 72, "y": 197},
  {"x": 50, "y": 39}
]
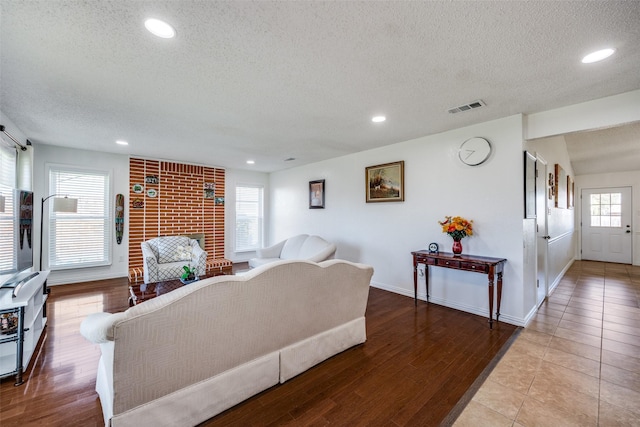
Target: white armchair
[
  {"x": 164, "y": 258},
  {"x": 301, "y": 247}
]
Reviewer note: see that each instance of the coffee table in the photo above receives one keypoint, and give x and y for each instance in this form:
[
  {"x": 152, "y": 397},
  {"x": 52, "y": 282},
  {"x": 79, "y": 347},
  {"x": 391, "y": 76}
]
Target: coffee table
[{"x": 142, "y": 292}]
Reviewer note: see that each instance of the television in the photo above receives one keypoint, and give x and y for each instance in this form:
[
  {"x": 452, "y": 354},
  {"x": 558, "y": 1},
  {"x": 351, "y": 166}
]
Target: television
[{"x": 16, "y": 238}]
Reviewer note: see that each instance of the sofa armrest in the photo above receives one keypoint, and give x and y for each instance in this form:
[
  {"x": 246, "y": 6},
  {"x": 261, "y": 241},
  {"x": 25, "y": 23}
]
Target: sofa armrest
[
  {"x": 272, "y": 251},
  {"x": 325, "y": 254},
  {"x": 150, "y": 263},
  {"x": 98, "y": 327},
  {"x": 198, "y": 258}
]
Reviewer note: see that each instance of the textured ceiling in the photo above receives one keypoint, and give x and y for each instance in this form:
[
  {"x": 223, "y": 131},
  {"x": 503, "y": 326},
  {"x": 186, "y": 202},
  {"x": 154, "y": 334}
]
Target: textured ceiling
[{"x": 273, "y": 80}]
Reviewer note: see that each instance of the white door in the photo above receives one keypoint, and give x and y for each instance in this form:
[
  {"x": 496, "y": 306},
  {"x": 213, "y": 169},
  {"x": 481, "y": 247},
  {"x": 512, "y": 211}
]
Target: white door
[
  {"x": 542, "y": 238},
  {"x": 606, "y": 224}
]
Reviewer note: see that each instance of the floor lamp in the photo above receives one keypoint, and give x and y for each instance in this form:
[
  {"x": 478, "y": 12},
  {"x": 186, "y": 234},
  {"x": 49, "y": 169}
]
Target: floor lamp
[{"x": 60, "y": 204}]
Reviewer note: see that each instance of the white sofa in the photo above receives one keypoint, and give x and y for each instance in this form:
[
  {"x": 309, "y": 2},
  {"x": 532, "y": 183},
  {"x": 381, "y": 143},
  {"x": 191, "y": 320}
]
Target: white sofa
[
  {"x": 300, "y": 247},
  {"x": 164, "y": 257},
  {"x": 183, "y": 357}
]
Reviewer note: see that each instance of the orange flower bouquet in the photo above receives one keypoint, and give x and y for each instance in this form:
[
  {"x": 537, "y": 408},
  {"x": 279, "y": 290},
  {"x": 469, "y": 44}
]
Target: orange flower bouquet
[{"x": 457, "y": 227}]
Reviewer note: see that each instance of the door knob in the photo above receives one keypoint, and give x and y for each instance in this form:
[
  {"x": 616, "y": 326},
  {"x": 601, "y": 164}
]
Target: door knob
[
  {"x": 546, "y": 237},
  {"x": 628, "y": 231}
]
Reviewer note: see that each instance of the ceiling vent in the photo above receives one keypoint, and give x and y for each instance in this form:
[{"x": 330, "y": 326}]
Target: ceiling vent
[{"x": 466, "y": 107}]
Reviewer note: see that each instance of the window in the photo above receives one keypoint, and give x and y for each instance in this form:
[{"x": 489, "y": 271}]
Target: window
[
  {"x": 7, "y": 185},
  {"x": 81, "y": 239},
  {"x": 249, "y": 207},
  {"x": 606, "y": 210}
]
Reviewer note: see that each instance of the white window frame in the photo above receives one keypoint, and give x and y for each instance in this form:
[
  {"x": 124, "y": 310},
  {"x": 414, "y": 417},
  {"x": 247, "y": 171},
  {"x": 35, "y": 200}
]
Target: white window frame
[
  {"x": 240, "y": 218},
  {"x": 91, "y": 208},
  {"x": 8, "y": 181}
]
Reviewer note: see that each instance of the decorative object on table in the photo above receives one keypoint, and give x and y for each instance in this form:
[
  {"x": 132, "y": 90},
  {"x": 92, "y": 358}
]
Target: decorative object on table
[
  {"x": 433, "y": 248},
  {"x": 119, "y": 217},
  {"x": 458, "y": 228},
  {"x": 529, "y": 185},
  {"x": 316, "y": 194},
  {"x": 385, "y": 183},
  {"x": 474, "y": 151},
  {"x": 189, "y": 275}
]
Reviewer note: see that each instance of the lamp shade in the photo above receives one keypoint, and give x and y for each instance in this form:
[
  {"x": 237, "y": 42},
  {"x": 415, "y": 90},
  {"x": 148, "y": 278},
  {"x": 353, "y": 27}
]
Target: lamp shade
[
  {"x": 65, "y": 204},
  {"x": 1, "y": 203}
]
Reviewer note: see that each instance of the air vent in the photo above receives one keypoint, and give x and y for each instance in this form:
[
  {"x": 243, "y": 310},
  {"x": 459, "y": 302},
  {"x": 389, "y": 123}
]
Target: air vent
[
  {"x": 466, "y": 107},
  {"x": 290, "y": 159}
]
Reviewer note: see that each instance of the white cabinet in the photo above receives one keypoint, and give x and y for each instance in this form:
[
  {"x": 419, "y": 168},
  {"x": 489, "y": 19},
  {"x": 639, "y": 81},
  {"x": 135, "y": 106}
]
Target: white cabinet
[{"x": 17, "y": 348}]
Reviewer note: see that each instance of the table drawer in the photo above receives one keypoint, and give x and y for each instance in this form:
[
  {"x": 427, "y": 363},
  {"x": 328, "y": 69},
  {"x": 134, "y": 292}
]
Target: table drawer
[
  {"x": 425, "y": 260},
  {"x": 449, "y": 263},
  {"x": 480, "y": 268}
]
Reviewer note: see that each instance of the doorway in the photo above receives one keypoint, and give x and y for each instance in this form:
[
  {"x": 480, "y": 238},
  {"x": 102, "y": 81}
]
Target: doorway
[
  {"x": 606, "y": 224},
  {"x": 542, "y": 236}
]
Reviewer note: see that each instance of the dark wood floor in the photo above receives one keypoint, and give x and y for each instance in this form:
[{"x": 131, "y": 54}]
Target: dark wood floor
[{"x": 415, "y": 366}]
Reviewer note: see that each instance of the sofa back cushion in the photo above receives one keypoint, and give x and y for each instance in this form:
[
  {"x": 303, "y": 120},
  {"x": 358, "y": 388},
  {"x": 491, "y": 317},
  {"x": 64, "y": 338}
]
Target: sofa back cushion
[
  {"x": 291, "y": 248},
  {"x": 173, "y": 248},
  {"x": 312, "y": 246}
]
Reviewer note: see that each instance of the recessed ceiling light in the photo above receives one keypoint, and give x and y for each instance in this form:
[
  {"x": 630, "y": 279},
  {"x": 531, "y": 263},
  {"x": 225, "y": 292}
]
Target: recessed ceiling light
[
  {"x": 251, "y": 162},
  {"x": 598, "y": 56},
  {"x": 378, "y": 119},
  {"x": 121, "y": 142},
  {"x": 160, "y": 28}
]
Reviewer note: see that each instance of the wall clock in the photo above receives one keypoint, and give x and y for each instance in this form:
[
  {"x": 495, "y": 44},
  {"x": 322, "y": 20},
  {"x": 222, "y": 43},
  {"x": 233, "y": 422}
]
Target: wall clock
[{"x": 474, "y": 151}]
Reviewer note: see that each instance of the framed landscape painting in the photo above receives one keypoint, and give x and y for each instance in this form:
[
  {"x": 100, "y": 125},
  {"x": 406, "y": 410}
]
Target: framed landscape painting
[{"x": 385, "y": 183}]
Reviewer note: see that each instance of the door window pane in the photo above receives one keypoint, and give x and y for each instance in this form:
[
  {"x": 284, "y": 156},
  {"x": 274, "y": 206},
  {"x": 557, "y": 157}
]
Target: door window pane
[{"x": 606, "y": 210}]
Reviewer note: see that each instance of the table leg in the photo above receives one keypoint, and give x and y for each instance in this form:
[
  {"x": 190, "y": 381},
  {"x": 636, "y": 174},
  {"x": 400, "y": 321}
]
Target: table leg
[
  {"x": 491, "y": 300},
  {"x": 499, "y": 295},
  {"x": 415, "y": 284}
]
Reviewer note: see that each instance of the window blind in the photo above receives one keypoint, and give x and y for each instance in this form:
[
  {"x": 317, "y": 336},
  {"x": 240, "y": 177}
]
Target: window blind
[
  {"x": 7, "y": 185},
  {"x": 249, "y": 218},
  {"x": 80, "y": 239}
]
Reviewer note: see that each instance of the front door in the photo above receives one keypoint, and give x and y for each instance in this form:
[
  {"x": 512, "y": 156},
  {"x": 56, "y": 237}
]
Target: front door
[{"x": 606, "y": 224}]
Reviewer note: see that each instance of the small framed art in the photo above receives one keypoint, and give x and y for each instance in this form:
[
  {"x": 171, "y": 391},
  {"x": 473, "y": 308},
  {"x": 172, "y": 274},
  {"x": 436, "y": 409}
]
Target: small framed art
[{"x": 316, "y": 194}]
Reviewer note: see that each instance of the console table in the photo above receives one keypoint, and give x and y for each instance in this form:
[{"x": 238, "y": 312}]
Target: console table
[{"x": 492, "y": 267}]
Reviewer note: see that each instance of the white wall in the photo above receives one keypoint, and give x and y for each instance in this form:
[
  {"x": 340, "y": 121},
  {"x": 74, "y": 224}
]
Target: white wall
[
  {"x": 436, "y": 184},
  {"x": 234, "y": 177},
  {"x": 620, "y": 179},
  {"x": 119, "y": 167}
]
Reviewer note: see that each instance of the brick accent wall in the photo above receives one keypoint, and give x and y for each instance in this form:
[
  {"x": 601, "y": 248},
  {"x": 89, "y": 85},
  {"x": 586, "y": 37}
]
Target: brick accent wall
[{"x": 179, "y": 207}]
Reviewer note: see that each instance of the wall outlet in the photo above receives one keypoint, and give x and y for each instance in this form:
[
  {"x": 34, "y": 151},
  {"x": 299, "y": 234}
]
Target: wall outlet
[{"x": 121, "y": 258}]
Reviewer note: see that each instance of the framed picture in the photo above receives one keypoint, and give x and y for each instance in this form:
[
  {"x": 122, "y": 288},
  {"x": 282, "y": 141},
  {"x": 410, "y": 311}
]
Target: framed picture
[
  {"x": 316, "y": 194},
  {"x": 529, "y": 185},
  {"x": 385, "y": 183},
  {"x": 560, "y": 187},
  {"x": 570, "y": 188}
]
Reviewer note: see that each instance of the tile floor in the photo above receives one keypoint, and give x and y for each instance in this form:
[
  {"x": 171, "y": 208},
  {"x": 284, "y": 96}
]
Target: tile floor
[{"x": 578, "y": 361}]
